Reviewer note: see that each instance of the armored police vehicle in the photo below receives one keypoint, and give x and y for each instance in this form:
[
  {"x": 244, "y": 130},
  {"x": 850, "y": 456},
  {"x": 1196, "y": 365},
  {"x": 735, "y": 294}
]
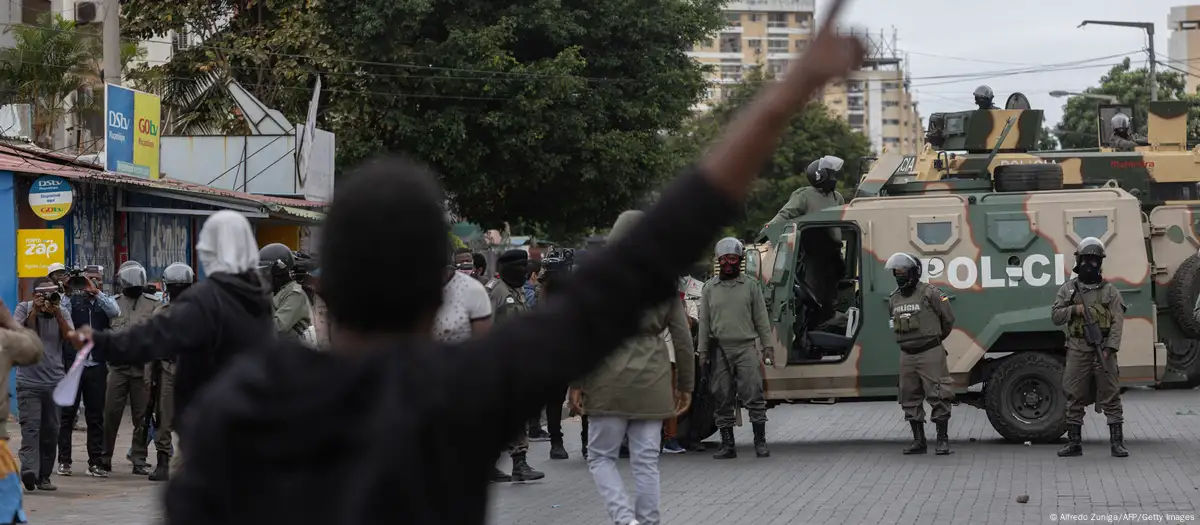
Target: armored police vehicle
[{"x": 999, "y": 239}]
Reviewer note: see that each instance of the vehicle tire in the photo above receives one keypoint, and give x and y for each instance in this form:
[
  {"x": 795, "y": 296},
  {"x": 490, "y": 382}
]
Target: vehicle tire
[
  {"x": 1024, "y": 398},
  {"x": 1183, "y": 358},
  {"x": 1028, "y": 177},
  {"x": 1181, "y": 299}
]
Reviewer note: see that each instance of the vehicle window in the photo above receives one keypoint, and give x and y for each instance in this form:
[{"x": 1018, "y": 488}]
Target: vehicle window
[
  {"x": 1094, "y": 226},
  {"x": 1010, "y": 230},
  {"x": 935, "y": 232}
]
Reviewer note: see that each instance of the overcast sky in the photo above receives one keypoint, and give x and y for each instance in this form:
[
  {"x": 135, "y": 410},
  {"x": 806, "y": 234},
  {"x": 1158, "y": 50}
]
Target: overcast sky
[{"x": 971, "y": 36}]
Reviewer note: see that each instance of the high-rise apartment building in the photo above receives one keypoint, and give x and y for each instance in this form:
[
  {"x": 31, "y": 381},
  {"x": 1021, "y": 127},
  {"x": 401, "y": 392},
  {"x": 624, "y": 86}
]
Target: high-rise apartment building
[
  {"x": 1183, "y": 46},
  {"x": 770, "y": 33}
]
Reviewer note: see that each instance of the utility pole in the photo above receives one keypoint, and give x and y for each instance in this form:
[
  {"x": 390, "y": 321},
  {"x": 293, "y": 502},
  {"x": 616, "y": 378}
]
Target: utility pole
[
  {"x": 1149, "y": 28},
  {"x": 112, "y": 42}
]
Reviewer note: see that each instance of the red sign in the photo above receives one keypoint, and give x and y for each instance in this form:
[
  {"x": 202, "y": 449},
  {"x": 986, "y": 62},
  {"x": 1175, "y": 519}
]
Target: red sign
[{"x": 1127, "y": 164}]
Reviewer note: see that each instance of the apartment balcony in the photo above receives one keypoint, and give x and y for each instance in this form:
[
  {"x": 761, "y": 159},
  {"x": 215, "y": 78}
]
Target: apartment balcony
[
  {"x": 715, "y": 55},
  {"x": 795, "y": 30},
  {"x": 733, "y": 29},
  {"x": 763, "y": 6}
]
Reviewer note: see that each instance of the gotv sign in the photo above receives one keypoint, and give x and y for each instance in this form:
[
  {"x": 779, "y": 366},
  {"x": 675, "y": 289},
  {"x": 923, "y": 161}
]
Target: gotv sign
[{"x": 50, "y": 197}]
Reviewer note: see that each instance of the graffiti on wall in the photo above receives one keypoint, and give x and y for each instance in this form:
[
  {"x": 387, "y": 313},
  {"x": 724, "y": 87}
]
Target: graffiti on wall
[
  {"x": 157, "y": 241},
  {"x": 93, "y": 228}
]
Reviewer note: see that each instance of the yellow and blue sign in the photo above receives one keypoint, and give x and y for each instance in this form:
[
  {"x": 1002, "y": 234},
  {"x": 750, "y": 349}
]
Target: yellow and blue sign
[
  {"x": 131, "y": 132},
  {"x": 38, "y": 249},
  {"x": 50, "y": 197}
]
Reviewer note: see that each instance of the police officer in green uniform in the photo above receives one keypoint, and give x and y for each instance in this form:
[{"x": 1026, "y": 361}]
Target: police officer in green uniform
[
  {"x": 823, "y": 175},
  {"x": 1122, "y": 139},
  {"x": 921, "y": 319},
  {"x": 508, "y": 301},
  {"x": 176, "y": 279},
  {"x": 732, "y": 315},
  {"x": 1087, "y": 366}
]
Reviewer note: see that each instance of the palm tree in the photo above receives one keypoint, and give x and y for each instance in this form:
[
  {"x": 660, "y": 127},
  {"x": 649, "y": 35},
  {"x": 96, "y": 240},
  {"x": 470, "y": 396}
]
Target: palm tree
[{"x": 50, "y": 61}]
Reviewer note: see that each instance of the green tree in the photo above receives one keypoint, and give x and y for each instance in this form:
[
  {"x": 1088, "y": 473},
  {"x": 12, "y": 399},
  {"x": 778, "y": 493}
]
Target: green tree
[
  {"x": 1078, "y": 128},
  {"x": 1047, "y": 141},
  {"x": 49, "y": 62},
  {"x": 545, "y": 114},
  {"x": 813, "y": 133}
]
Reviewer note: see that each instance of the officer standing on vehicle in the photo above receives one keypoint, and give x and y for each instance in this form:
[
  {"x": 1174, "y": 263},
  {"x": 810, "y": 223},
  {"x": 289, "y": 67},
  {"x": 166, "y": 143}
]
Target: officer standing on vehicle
[
  {"x": 823, "y": 175},
  {"x": 1122, "y": 139},
  {"x": 1081, "y": 301},
  {"x": 293, "y": 312},
  {"x": 983, "y": 98},
  {"x": 921, "y": 318},
  {"x": 733, "y": 314},
  {"x": 508, "y": 301}
]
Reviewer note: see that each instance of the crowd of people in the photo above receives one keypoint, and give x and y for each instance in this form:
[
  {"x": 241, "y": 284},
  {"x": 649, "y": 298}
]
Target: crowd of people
[
  {"x": 133, "y": 363},
  {"x": 400, "y": 413}
]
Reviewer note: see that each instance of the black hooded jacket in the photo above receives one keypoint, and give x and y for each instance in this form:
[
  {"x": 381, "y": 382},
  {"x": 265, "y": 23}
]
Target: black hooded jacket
[
  {"x": 408, "y": 432},
  {"x": 203, "y": 329}
]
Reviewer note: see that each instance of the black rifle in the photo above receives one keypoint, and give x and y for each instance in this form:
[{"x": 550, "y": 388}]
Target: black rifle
[
  {"x": 155, "y": 379},
  {"x": 1094, "y": 338}
]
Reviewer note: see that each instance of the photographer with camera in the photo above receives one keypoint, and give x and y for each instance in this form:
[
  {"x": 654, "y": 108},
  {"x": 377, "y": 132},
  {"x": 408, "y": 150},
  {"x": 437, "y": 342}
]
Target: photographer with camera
[
  {"x": 37, "y": 413},
  {"x": 91, "y": 307}
]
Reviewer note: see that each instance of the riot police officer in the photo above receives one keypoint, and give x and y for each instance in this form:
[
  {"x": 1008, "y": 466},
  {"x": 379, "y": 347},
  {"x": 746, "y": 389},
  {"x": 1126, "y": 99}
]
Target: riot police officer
[
  {"x": 176, "y": 278},
  {"x": 733, "y": 314},
  {"x": 921, "y": 318},
  {"x": 1088, "y": 299},
  {"x": 1122, "y": 139},
  {"x": 823, "y": 175},
  {"x": 983, "y": 98},
  {"x": 508, "y": 301},
  {"x": 293, "y": 312}
]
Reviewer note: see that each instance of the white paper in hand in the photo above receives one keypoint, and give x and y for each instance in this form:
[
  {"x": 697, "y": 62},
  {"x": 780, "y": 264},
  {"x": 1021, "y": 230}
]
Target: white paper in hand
[{"x": 64, "y": 393}]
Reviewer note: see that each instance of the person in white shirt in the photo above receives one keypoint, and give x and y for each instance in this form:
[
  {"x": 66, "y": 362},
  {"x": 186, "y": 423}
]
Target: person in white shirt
[{"x": 466, "y": 310}]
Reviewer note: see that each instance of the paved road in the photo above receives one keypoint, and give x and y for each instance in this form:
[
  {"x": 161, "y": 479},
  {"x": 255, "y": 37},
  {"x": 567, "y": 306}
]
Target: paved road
[{"x": 830, "y": 464}]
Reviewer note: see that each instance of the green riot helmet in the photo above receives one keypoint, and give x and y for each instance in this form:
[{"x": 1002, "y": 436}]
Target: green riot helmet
[
  {"x": 824, "y": 173},
  {"x": 906, "y": 268},
  {"x": 1089, "y": 258}
]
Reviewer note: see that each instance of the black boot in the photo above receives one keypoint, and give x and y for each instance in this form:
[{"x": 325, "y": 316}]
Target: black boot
[
  {"x": 522, "y": 471},
  {"x": 918, "y": 445},
  {"x": 943, "y": 438},
  {"x": 760, "y": 440},
  {"x": 556, "y": 449},
  {"x": 1074, "y": 438},
  {"x": 1116, "y": 437},
  {"x": 728, "y": 448},
  {"x": 162, "y": 471}
]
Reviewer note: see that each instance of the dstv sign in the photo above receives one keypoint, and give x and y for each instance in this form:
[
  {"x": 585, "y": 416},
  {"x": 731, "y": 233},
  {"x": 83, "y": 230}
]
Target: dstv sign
[
  {"x": 131, "y": 131},
  {"x": 50, "y": 197}
]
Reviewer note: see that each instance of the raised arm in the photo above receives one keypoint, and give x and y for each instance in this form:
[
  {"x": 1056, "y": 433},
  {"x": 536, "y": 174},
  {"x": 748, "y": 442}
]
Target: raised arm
[
  {"x": 602, "y": 303},
  {"x": 183, "y": 328}
]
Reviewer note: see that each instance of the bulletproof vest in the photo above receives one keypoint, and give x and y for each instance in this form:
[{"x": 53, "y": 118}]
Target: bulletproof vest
[
  {"x": 1097, "y": 304},
  {"x": 913, "y": 320}
]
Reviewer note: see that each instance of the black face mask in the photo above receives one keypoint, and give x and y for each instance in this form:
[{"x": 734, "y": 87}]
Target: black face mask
[
  {"x": 176, "y": 290},
  {"x": 905, "y": 283},
  {"x": 829, "y": 184},
  {"x": 513, "y": 274},
  {"x": 1088, "y": 271},
  {"x": 132, "y": 291},
  {"x": 279, "y": 280}
]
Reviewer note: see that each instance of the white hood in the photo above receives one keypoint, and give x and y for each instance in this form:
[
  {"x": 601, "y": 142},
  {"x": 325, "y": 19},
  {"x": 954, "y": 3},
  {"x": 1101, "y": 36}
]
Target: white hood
[{"x": 227, "y": 244}]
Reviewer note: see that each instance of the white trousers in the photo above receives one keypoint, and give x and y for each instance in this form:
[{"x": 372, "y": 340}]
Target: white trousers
[{"x": 604, "y": 444}]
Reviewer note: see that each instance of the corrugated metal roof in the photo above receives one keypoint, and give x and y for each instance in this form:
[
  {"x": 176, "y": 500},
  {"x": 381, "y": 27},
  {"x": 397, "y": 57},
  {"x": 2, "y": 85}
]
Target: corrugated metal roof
[
  {"x": 34, "y": 160},
  {"x": 299, "y": 213}
]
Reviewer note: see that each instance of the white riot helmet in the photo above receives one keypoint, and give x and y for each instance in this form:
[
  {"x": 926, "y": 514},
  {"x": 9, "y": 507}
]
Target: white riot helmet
[
  {"x": 729, "y": 246},
  {"x": 178, "y": 273},
  {"x": 131, "y": 274}
]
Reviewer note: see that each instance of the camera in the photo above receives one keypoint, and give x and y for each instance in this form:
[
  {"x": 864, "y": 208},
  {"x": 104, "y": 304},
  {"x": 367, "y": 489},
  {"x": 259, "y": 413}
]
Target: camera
[
  {"x": 49, "y": 292},
  {"x": 78, "y": 280},
  {"x": 558, "y": 261}
]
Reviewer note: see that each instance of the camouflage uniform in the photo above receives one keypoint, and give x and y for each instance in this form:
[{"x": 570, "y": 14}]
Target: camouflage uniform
[
  {"x": 921, "y": 321},
  {"x": 507, "y": 303},
  {"x": 732, "y": 315}
]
